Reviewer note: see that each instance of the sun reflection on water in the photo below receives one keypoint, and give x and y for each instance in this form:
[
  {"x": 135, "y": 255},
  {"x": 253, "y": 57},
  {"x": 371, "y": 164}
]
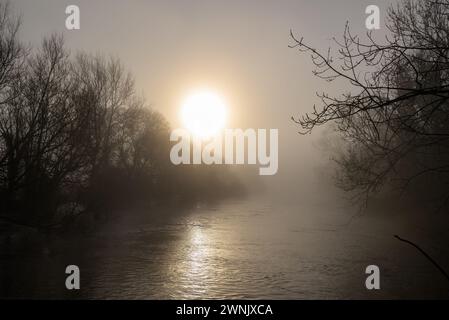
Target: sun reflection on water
[{"x": 196, "y": 274}]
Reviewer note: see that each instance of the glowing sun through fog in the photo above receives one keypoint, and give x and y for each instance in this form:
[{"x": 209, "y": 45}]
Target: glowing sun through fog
[{"x": 204, "y": 114}]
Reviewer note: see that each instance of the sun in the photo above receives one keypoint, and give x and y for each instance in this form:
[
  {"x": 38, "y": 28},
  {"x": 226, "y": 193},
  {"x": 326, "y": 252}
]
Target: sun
[{"x": 204, "y": 114}]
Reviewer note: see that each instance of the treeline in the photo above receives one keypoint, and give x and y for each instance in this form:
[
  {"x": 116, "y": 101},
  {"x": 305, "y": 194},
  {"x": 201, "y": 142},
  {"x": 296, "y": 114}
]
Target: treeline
[{"x": 76, "y": 139}]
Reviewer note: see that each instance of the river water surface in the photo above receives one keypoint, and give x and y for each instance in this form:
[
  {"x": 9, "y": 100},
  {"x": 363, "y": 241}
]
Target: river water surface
[{"x": 251, "y": 249}]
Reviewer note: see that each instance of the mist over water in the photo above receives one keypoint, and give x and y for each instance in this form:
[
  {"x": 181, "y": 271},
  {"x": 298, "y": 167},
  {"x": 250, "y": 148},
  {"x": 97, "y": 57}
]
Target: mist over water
[
  {"x": 293, "y": 235},
  {"x": 254, "y": 248}
]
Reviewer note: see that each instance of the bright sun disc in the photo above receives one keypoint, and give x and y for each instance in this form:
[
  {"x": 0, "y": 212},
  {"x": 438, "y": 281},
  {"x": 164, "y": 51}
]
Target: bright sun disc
[{"x": 203, "y": 114}]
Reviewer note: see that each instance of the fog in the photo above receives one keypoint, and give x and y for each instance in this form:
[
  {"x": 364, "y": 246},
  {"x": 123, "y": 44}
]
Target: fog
[
  {"x": 240, "y": 50},
  {"x": 295, "y": 228}
]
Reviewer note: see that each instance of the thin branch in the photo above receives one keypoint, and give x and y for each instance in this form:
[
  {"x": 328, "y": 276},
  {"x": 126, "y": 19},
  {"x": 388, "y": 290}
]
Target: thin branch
[{"x": 443, "y": 272}]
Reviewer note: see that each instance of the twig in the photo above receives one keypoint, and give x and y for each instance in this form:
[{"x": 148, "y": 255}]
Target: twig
[{"x": 425, "y": 255}]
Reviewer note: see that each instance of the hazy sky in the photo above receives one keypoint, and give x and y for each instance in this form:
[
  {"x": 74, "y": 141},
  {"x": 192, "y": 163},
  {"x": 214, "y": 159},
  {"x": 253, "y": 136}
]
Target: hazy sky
[{"x": 237, "y": 48}]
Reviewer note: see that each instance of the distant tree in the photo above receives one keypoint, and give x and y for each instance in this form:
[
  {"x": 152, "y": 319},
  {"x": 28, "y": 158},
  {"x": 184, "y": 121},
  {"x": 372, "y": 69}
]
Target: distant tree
[
  {"x": 106, "y": 91},
  {"x": 395, "y": 118}
]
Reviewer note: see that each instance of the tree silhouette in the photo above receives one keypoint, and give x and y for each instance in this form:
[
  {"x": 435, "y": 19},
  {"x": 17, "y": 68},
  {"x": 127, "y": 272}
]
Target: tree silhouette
[
  {"x": 395, "y": 117},
  {"x": 76, "y": 139}
]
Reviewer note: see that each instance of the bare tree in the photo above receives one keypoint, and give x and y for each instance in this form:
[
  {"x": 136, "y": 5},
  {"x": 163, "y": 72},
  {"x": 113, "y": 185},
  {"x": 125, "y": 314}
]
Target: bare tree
[
  {"x": 75, "y": 138},
  {"x": 109, "y": 91},
  {"x": 12, "y": 61},
  {"x": 395, "y": 117},
  {"x": 39, "y": 127}
]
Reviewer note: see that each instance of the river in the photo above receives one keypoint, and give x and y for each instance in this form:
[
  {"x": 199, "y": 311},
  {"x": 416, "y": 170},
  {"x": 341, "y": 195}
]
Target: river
[{"x": 253, "y": 248}]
